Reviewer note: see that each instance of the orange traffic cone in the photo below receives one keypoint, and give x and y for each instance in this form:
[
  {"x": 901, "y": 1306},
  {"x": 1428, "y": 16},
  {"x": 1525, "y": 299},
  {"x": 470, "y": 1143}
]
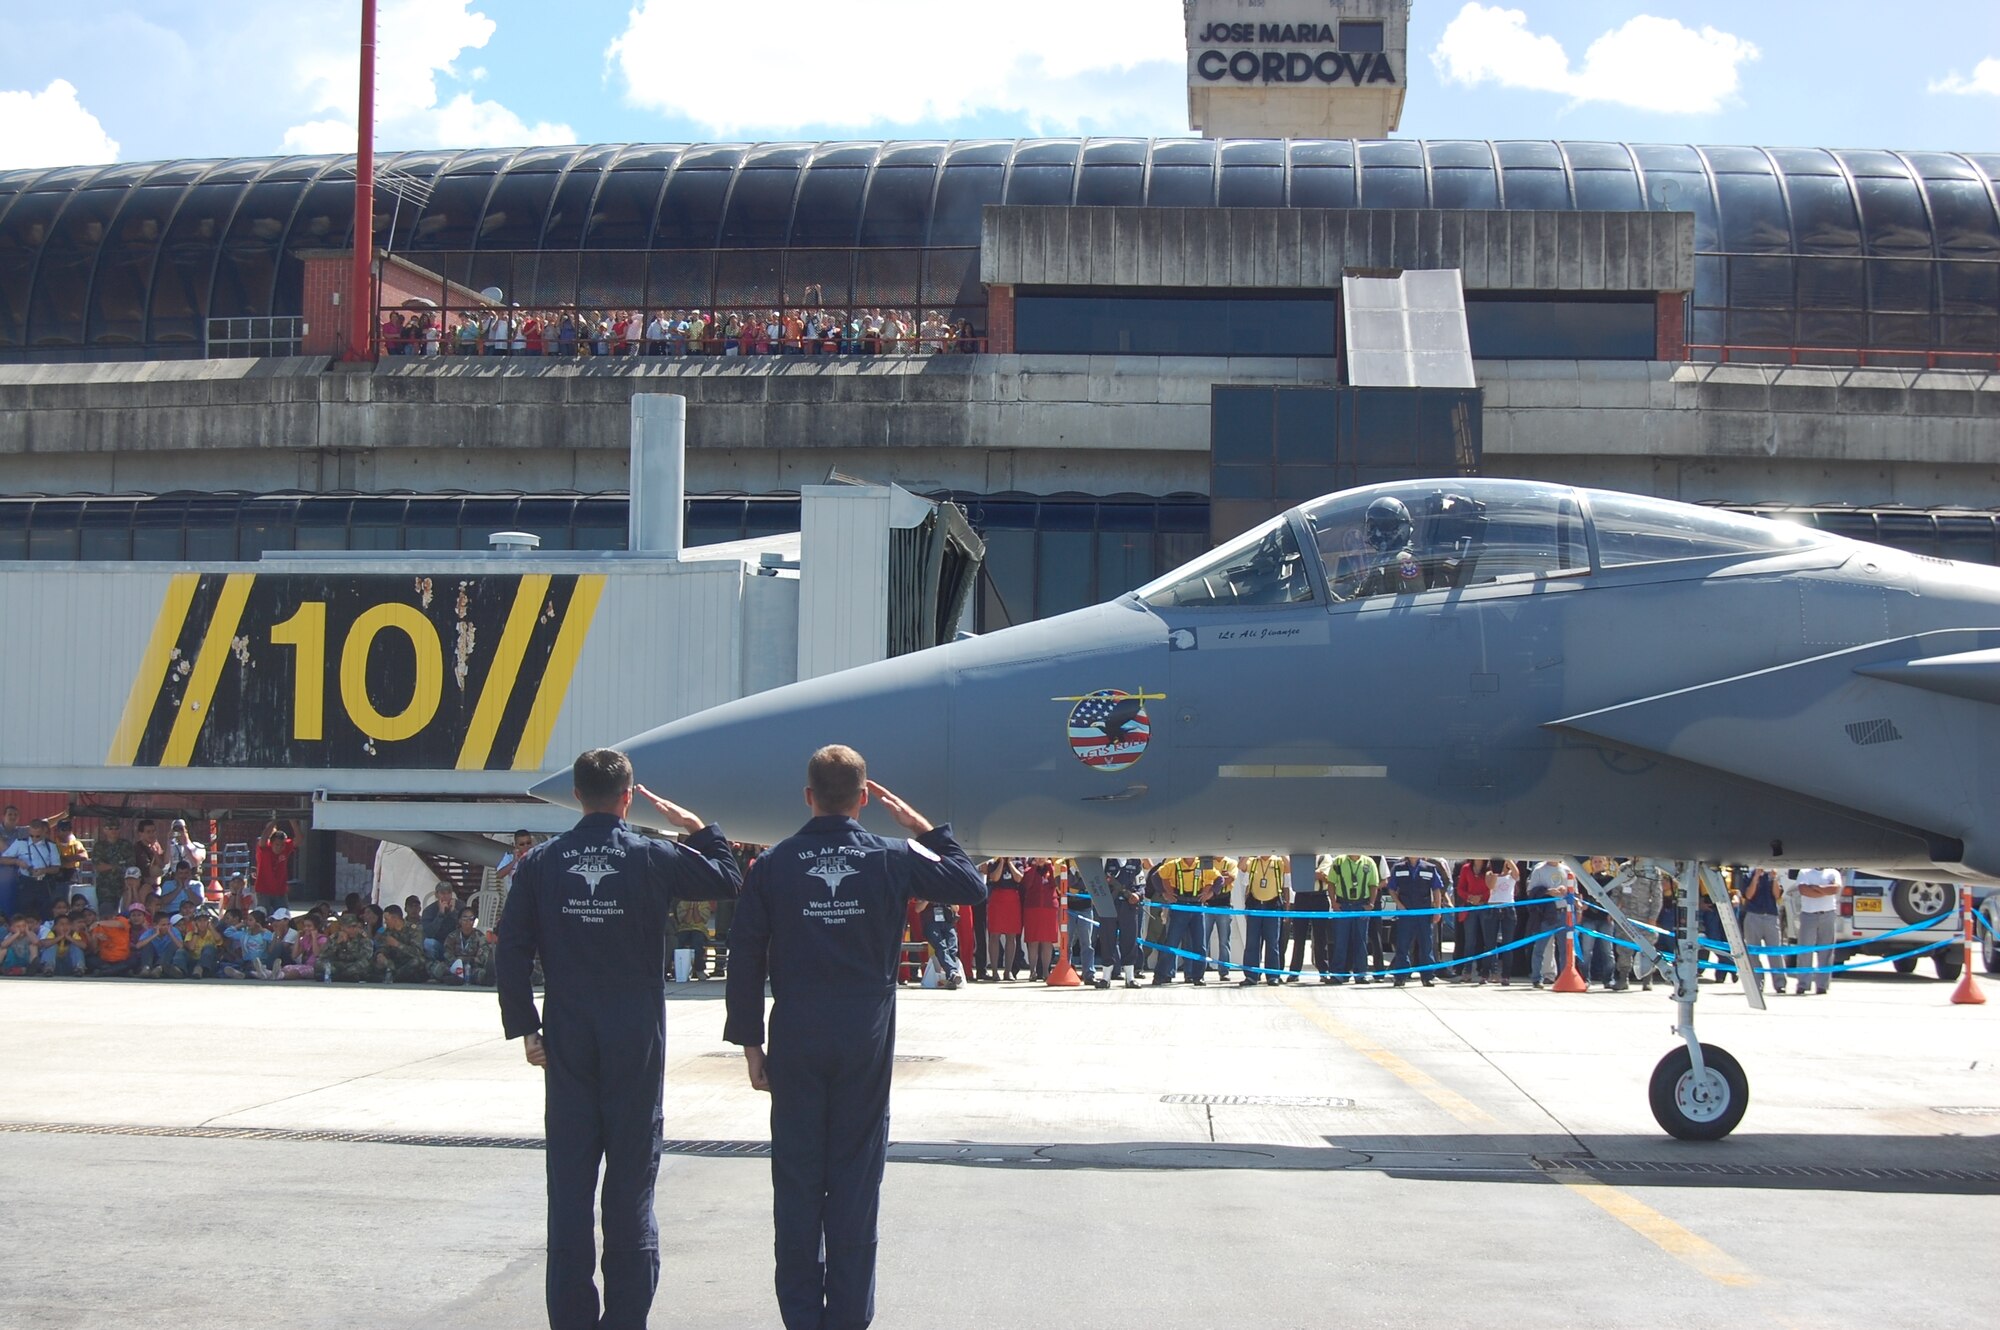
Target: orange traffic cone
[
  {"x": 1062, "y": 974},
  {"x": 213, "y": 888},
  {"x": 1967, "y": 994},
  {"x": 1569, "y": 981}
]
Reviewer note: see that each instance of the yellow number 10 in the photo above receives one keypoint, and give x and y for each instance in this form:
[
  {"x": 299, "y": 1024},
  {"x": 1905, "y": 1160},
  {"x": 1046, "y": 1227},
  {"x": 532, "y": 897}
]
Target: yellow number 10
[{"x": 306, "y": 631}]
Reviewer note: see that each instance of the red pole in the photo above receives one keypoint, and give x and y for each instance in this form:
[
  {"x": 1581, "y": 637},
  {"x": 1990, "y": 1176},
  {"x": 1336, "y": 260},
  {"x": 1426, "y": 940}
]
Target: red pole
[{"x": 361, "y": 284}]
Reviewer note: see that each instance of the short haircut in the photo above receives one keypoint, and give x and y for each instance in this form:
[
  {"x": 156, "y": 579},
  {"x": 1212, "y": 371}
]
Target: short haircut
[
  {"x": 838, "y": 776},
  {"x": 522, "y": 833},
  {"x": 601, "y": 776},
  {"x": 396, "y": 910}
]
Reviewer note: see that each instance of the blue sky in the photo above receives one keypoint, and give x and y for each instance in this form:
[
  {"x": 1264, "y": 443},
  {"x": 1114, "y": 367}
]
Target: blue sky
[{"x": 180, "y": 78}]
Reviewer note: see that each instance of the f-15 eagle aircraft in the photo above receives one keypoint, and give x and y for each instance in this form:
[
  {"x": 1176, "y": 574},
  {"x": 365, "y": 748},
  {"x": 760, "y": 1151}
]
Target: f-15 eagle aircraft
[{"x": 1457, "y": 667}]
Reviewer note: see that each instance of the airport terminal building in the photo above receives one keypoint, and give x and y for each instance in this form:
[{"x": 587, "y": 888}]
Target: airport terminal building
[
  {"x": 1109, "y": 353},
  {"x": 1778, "y": 327}
]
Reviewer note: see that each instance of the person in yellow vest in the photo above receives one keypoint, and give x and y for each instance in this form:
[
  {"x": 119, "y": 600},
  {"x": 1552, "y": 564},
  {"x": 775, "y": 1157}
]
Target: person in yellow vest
[
  {"x": 1354, "y": 883},
  {"x": 1183, "y": 881},
  {"x": 1266, "y": 893}
]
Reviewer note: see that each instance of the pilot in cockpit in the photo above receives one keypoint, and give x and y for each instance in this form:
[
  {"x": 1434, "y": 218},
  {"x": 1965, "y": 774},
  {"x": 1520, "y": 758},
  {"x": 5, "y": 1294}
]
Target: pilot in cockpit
[{"x": 1393, "y": 568}]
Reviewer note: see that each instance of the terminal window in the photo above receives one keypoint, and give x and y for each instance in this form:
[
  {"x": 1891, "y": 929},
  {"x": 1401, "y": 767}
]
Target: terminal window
[
  {"x": 1168, "y": 323},
  {"x": 1558, "y": 329},
  {"x": 1361, "y": 36}
]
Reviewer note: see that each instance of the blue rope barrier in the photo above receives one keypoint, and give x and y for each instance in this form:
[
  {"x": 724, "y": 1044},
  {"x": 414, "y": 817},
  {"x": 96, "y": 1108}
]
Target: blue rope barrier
[
  {"x": 1720, "y": 944},
  {"x": 1357, "y": 914},
  {"x": 1515, "y": 945},
  {"x": 1780, "y": 971}
]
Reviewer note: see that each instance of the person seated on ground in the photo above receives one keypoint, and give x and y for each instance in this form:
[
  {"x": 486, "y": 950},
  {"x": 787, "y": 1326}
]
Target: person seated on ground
[
  {"x": 352, "y": 904},
  {"x": 202, "y": 948},
  {"x": 413, "y": 911},
  {"x": 135, "y": 889},
  {"x": 237, "y": 895},
  {"x": 371, "y": 922},
  {"x": 399, "y": 957},
  {"x": 111, "y": 937},
  {"x": 17, "y": 948},
  {"x": 58, "y": 950},
  {"x": 181, "y": 892},
  {"x": 440, "y": 920},
  {"x": 249, "y": 947},
  {"x": 350, "y": 957},
  {"x": 302, "y": 949},
  {"x": 156, "y": 943},
  {"x": 466, "y": 956}
]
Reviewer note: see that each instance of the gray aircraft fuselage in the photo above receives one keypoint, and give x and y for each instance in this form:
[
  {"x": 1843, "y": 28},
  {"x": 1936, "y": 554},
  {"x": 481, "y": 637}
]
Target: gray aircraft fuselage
[{"x": 1804, "y": 700}]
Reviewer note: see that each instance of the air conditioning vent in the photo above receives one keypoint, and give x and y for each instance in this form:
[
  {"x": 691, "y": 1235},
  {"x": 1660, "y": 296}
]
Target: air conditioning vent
[{"x": 1865, "y": 732}]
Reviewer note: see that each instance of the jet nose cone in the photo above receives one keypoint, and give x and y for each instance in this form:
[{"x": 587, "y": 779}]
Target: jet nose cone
[
  {"x": 742, "y": 765},
  {"x": 557, "y": 788}
]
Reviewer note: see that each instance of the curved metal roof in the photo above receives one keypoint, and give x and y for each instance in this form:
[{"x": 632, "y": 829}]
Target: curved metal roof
[{"x": 139, "y": 255}]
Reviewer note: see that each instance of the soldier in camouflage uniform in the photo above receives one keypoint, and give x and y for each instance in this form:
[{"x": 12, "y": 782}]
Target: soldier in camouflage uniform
[
  {"x": 350, "y": 957},
  {"x": 1646, "y": 890},
  {"x": 467, "y": 944},
  {"x": 400, "y": 955},
  {"x": 110, "y": 855}
]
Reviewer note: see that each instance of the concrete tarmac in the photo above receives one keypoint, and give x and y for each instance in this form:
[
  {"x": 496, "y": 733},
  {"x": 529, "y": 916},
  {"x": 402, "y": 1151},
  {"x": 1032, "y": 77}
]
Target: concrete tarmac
[{"x": 304, "y": 1155}]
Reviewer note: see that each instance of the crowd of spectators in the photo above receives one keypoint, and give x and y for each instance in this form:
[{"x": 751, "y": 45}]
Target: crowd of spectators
[
  {"x": 153, "y": 911},
  {"x": 1360, "y": 920},
  {"x": 149, "y": 907},
  {"x": 574, "y": 333}
]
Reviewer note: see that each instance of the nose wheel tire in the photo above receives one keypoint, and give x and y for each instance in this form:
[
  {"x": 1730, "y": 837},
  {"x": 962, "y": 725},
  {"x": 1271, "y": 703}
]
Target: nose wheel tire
[{"x": 1704, "y": 1107}]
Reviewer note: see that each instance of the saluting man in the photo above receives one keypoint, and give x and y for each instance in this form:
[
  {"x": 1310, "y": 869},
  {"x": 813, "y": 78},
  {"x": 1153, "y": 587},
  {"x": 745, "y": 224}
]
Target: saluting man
[
  {"x": 596, "y": 904},
  {"x": 822, "y": 915}
]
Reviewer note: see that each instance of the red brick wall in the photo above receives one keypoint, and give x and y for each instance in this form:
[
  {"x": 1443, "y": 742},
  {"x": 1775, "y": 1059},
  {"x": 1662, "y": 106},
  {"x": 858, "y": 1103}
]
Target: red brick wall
[
  {"x": 1000, "y": 320},
  {"x": 1670, "y": 327}
]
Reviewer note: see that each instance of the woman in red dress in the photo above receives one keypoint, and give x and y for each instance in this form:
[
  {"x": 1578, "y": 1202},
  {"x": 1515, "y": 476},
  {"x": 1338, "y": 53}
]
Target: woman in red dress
[
  {"x": 1041, "y": 891},
  {"x": 1003, "y": 917}
]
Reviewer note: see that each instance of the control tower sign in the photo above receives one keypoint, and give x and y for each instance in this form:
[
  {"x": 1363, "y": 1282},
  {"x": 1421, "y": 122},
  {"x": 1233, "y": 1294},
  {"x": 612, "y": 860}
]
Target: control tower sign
[{"x": 1296, "y": 68}]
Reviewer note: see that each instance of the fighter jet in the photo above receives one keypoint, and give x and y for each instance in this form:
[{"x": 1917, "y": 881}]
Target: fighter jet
[{"x": 1459, "y": 667}]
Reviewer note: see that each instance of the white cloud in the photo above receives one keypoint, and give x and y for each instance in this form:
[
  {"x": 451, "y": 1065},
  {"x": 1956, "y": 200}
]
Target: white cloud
[
  {"x": 416, "y": 42},
  {"x": 1985, "y": 79},
  {"x": 1058, "y": 63},
  {"x": 51, "y": 128},
  {"x": 1652, "y": 64}
]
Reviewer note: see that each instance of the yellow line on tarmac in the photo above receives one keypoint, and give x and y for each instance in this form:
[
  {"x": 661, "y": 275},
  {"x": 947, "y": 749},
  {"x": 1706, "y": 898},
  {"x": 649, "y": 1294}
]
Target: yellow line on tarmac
[
  {"x": 1690, "y": 1249},
  {"x": 1451, "y": 1101}
]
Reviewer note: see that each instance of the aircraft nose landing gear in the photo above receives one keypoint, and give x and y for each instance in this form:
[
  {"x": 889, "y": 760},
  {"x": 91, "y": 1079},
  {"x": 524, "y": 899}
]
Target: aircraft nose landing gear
[
  {"x": 1699, "y": 1092},
  {"x": 1699, "y": 1104}
]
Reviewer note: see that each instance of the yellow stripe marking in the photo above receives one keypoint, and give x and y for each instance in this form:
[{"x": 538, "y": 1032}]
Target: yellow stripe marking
[
  {"x": 152, "y": 672},
  {"x": 505, "y": 671},
  {"x": 556, "y": 676},
  {"x": 208, "y": 663},
  {"x": 1690, "y": 1249},
  {"x": 1452, "y": 1102}
]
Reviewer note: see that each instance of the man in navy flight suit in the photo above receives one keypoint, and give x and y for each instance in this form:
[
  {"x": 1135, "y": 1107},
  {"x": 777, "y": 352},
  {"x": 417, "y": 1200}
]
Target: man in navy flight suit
[
  {"x": 822, "y": 913},
  {"x": 597, "y": 905}
]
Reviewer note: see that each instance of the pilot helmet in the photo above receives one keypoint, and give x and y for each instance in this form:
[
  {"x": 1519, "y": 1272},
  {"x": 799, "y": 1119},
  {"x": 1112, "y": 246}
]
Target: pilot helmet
[{"x": 1388, "y": 524}]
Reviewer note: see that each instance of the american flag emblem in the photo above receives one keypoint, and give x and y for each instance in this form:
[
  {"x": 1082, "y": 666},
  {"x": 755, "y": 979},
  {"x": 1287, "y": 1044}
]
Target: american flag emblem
[{"x": 1109, "y": 729}]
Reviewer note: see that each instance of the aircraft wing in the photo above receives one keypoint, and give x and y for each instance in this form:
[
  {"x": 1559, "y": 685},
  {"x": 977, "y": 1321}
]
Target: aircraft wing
[{"x": 1901, "y": 731}]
